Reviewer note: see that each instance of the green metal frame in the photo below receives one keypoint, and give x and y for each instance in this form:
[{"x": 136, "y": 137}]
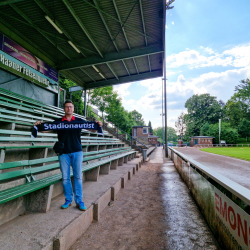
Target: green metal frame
[
  {"x": 131, "y": 78},
  {"x": 111, "y": 57},
  {"x": 6, "y": 2},
  {"x": 73, "y": 13}
]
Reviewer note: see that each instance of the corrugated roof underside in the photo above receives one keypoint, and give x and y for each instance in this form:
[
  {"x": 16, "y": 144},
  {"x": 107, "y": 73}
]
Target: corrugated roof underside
[{"x": 108, "y": 26}]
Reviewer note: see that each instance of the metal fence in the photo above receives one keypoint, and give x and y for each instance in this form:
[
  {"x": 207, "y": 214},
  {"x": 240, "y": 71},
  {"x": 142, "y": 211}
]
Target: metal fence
[{"x": 221, "y": 145}]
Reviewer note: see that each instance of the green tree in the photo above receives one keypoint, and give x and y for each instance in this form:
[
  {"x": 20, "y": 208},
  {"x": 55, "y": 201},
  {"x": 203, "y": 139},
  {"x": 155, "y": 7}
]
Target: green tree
[
  {"x": 150, "y": 127},
  {"x": 238, "y": 106},
  {"x": 76, "y": 96},
  {"x": 137, "y": 118},
  {"x": 235, "y": 110},
  {"x": 243, "y": 91},
  {"x": 244, "y": 128},
  {"x": 160, "y": 132},
  {"x": 229, "y": 134},
  {"x": 101, "y": 97},
  {"x": 205, "y": 129},
  {"x": 108, "y": 102},
  {"x": 180, "y": 126},
  {"x": 201, "y": 109}
]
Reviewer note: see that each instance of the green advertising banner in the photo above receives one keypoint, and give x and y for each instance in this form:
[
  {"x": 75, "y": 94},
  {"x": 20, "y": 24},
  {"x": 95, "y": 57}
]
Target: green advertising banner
[{"x": 19, "y": 68}]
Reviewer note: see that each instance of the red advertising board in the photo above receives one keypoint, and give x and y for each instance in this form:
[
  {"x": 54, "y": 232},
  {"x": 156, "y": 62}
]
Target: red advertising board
[{"x": 235, "y": 220}]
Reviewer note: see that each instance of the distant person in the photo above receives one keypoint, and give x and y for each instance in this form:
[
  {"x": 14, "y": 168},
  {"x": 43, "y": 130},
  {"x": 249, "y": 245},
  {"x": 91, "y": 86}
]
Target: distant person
[{"x": 72, "y": 156}]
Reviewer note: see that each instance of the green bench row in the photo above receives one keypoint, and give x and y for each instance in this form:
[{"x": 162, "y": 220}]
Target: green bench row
[
  {"x": 24, "y": 133},
  {"x": 31, "y": 106},
  {"x": 24, "y": 118},
  {"x": 28, "y": 102},
  {"x": 25, "y": 163},
  {"x": 33, "y": 185}
]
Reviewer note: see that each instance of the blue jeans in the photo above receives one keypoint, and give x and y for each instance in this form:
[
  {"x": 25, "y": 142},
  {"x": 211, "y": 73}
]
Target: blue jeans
[{"x": 75, "y": 160}]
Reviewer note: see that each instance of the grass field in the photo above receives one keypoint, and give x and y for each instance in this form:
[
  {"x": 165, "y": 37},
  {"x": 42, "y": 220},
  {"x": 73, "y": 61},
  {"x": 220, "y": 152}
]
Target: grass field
[{"x": 240, "y": 153}]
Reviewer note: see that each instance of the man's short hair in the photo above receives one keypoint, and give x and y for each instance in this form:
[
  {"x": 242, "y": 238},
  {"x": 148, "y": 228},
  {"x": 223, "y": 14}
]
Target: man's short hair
[{"x": 68, "y": 101}]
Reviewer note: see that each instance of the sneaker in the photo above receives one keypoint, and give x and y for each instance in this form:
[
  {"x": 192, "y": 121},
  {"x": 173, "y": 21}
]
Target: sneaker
[
  {"x": 66, "y": 204},
  {"x": 81, "y": 206}
]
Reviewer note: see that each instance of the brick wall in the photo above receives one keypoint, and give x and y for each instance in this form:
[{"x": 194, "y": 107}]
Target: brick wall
[
  {"x": 140, "y": 132},
  {"x": 152, "y": 141},
  {"x": 143, "y": 140},
  {"x": 201, "y": 141}
]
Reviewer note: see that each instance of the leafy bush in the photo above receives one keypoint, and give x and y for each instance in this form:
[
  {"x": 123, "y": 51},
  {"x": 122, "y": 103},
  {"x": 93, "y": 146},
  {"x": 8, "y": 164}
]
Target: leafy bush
[{"x": 228, "y": 134}]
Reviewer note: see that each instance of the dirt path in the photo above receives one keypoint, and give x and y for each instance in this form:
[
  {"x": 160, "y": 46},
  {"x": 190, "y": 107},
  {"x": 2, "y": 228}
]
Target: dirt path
[{"x": 138, "y": 218}]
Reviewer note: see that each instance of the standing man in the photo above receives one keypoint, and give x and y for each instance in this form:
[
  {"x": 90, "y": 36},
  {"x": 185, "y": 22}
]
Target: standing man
[{"x": 72, "y": 156}]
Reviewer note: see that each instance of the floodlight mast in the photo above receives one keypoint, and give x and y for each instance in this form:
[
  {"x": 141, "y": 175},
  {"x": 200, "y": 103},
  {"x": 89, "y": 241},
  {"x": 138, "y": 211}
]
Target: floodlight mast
[{"x": 168, "y": 7}]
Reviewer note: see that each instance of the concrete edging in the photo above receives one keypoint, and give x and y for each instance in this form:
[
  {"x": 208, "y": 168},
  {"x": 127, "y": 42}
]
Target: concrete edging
[
  {"x": 216, "y": 207},
  {"x": 68, "y": 236}
]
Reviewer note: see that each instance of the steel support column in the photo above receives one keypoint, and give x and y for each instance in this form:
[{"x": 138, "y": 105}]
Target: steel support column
[
  {"x": 85, "y": 102},
  {"x": 165, "y": 108},
  {"x": 162, "y": 114},
  {"x": 165, "y": 88}
]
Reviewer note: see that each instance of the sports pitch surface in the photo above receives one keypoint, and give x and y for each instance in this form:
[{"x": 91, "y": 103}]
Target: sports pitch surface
[
  {"x": 239, "y": 152},
  {"x": 234, "y": 169}
]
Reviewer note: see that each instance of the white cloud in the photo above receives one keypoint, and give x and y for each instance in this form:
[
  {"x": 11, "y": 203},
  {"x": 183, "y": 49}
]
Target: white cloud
[
  {"x": 122, "y": 89},
  {"x": 238, "y": 56},
  {"x": 195, "y": 59},
  {"x": 156, "y": 83},
  {"x": 207, "y": 50},
  {"x": 220, "y": 84},
  {"x": 184, "y": 87},
  {"x": 152, "y": 84},
  {"x": 129, "y": 102},
  {"x": 241, "y": 55},
  {"x": 173, "y": 22}
]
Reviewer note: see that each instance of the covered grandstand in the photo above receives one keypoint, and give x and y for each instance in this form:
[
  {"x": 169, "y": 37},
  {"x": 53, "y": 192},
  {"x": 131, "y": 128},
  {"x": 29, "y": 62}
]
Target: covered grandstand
[{"x": 94, "y": 43}]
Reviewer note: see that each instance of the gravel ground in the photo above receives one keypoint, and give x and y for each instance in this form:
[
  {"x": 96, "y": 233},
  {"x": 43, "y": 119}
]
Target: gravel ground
[{"x": 154, "y": 211}]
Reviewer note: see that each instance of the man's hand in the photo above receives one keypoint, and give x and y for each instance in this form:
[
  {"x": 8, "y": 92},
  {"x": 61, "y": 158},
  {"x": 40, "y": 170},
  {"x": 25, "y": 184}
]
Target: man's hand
[
  {"x": 37, "y": 123},
  {"x": 99, "y": 123}
]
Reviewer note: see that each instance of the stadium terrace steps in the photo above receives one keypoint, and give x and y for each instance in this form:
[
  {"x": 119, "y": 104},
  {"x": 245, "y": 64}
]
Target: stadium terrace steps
[
  {"x": 65, "y": 226},
  {"x": 29, "y": 166}
]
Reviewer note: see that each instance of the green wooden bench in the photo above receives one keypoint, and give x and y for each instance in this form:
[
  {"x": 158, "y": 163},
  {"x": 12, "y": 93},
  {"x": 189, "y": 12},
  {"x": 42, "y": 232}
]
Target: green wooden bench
[
  {"x": 36, "y": 147},
  {"x": 9, "y": 105},
  {"x": 7, "y": 112},
  {"x": 26, "y": 101},
  {"x": 34, "y": 185},
  {"x": 28, "y": 120},
  {"x": 22, "y": 137},
  {"x": 31, "y": 104},
  {"x": 24, "y": 133},
  {"x": 26, "y": 164},
  {"x": 31, "y": 107},
  {"x": 6, "y": 103},
  {"x": 34, "y": 140}
]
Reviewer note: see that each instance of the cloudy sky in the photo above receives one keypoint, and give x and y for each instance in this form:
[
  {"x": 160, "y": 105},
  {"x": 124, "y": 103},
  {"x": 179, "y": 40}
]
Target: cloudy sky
[{"x": 208, "y": 51}]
